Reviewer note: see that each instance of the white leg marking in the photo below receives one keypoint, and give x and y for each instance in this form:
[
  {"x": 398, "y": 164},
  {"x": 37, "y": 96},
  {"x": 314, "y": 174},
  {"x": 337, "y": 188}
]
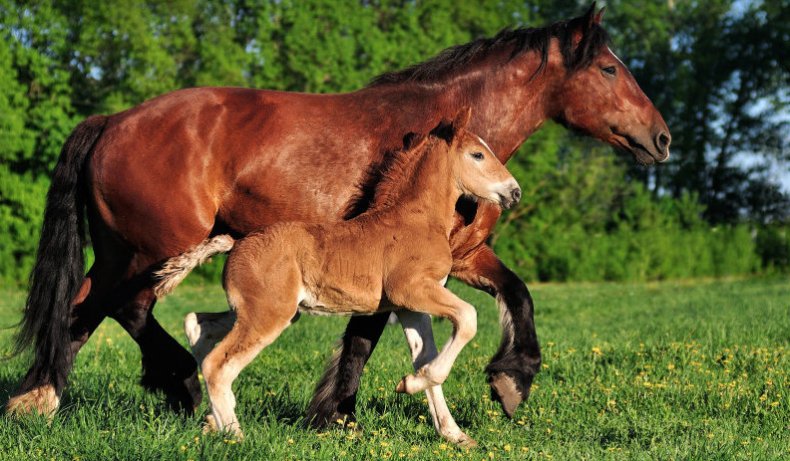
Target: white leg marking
[{"x": 419, "y": 336}]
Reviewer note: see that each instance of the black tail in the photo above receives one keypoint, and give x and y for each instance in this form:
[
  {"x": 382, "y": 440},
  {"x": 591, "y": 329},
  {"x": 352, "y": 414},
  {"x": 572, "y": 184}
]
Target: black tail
[{"x": 60, "y": 266}]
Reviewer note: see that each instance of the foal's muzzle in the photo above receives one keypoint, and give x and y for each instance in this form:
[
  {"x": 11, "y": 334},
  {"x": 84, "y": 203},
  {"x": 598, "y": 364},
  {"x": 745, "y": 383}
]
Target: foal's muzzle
[{"x": 510, "y": 199}]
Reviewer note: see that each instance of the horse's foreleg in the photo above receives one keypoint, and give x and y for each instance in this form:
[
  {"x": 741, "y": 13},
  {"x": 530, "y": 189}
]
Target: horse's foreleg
[
  {"x": 419, "y": 336},
  {"x": 41, "y": 388},
  {"x": 336, "y": 394},
  {"x": 518, "y": 359},
  {"x": 432, "y": 298},
  {"x": 167, "y": 366}
]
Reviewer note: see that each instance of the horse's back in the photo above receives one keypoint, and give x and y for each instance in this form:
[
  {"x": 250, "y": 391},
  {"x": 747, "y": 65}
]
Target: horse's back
[{"x": 177, "y": 163}]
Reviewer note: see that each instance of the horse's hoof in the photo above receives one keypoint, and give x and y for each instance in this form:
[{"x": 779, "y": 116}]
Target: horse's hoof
[
  {"x": 505, "y": 391},
  {"x": 42, "y": 400}
]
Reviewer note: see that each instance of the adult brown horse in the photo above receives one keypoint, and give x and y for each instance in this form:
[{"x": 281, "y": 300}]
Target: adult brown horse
[{"x": 158, "y": 179}]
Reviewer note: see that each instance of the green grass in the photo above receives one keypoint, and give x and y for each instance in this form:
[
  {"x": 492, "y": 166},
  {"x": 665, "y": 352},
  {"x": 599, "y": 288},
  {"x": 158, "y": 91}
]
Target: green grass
[{"x": 674, "y": 370}]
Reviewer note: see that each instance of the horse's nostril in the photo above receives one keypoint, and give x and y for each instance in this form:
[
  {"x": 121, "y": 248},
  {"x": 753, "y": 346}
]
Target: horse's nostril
[
  {"x": 516, "y": 194},
  {"x": 662, "y": 141}
]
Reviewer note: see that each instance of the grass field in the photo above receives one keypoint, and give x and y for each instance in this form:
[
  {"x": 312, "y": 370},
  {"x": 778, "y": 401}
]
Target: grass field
[{"x": 673, "y": 370}]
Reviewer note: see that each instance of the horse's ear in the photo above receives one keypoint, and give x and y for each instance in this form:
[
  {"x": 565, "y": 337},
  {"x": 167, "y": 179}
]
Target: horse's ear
[
  {"x": 585, "y": 23},
  {"x": 599, "y": 16},
  {"x": 590, "y": 17}
]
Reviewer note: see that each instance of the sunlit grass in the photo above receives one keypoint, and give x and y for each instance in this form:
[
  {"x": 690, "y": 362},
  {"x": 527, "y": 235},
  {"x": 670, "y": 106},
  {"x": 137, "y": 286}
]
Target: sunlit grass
[{"x": 689, "y": 370}]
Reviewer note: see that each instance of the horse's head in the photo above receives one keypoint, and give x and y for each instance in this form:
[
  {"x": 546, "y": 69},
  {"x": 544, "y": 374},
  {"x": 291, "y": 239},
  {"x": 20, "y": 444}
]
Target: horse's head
[
  {"x": 478, "y": 172},
  {"x": 600, "y": 97}
]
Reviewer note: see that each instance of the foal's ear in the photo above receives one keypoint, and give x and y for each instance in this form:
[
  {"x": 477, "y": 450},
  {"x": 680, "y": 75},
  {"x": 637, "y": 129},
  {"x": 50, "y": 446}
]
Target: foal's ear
[
  {"x": 448, "y": 130},
  {"x": 445, "y": 131},
  {"x": 462, "y": 118}
]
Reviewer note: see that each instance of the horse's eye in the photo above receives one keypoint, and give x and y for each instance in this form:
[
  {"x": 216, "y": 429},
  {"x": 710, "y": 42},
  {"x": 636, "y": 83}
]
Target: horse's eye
[
  {"x": 477, "y": 156},
  {"x": 611, "y": 70}
]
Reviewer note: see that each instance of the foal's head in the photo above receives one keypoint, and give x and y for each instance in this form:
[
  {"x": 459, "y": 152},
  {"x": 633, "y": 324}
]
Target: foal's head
[{"x": 478, "y": 172}]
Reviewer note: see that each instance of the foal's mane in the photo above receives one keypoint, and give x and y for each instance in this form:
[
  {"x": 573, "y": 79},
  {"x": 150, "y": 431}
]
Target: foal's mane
[
  {"x": 386, "y": 182},
  {"x": 521, "y": 40}
]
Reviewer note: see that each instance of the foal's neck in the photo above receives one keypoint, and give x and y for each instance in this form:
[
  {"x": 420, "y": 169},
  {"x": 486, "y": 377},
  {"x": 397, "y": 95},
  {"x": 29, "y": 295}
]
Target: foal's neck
[{"x": 432, "y": 193}]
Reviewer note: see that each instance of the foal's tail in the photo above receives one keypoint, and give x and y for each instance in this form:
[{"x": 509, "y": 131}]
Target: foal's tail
[
  {"x": 60, "y": 267},
  {"x": 177, "y": 268}
]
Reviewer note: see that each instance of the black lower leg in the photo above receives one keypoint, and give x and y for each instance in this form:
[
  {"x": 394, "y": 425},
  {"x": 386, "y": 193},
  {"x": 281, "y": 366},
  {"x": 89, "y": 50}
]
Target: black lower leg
[
  {"x": 167, "y": 366},
  {"x": 518, "y": 359},
  {"x": 335, "y": 396},
  {"x": 44, "y": 374}
]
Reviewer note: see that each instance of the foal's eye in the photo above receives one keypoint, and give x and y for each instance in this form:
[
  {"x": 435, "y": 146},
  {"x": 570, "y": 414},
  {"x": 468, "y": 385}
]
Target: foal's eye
[
  {"x": 611, "y": 70},
  {"x": 477, "y": 155}
]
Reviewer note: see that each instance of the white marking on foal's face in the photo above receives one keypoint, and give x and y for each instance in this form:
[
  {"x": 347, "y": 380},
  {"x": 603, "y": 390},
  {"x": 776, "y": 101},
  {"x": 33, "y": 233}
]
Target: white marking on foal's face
[{"x": 484, "y": 143}]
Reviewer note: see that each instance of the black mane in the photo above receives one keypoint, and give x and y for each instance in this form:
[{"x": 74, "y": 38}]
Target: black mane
[{"x": 522, "y": 40}]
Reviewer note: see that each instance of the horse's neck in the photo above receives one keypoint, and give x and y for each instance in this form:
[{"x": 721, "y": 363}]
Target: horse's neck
[{"x": 507, "y": 105}]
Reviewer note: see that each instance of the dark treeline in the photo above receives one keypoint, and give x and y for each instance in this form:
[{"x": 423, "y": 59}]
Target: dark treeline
[{"x": 714, "y": 69}]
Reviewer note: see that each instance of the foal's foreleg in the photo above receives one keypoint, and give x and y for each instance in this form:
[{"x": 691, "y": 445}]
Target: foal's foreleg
[
  {"x": 419, "y": 335},
  {"x": 432, "y": 298}
]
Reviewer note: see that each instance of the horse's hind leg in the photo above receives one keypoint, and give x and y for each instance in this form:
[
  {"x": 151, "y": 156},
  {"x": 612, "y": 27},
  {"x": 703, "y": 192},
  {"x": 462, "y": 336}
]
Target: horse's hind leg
[
  {"x": 41, "y": 388},
  {"x": 167, "y": 366},
  {"x": 419, "y": 335}
]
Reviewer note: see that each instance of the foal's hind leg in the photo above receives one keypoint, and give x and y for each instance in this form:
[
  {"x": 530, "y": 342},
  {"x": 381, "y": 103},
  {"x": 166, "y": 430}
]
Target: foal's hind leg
[
  {"x": 224, "y": 363},
  {"x": 431, "y": 298},
  {"x": 419, "y": 335}
]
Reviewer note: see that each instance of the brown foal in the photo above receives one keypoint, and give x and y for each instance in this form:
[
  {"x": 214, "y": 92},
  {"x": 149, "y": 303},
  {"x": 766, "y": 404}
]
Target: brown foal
[{"x": 395, "y": 256}]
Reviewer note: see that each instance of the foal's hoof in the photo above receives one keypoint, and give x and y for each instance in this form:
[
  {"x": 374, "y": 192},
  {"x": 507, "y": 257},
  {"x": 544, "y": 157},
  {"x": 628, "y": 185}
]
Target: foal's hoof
[
  {"x": 210, "y": 426},
  {"x": 412, "y": 384},
  {"x": 466, "y": 442},
  {"x": 401, "y": 387},
  {"x": 408, "y": 385}
]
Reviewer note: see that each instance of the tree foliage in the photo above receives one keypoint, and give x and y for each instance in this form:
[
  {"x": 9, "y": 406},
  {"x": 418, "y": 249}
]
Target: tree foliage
[{"x": 715, "y": 69}]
